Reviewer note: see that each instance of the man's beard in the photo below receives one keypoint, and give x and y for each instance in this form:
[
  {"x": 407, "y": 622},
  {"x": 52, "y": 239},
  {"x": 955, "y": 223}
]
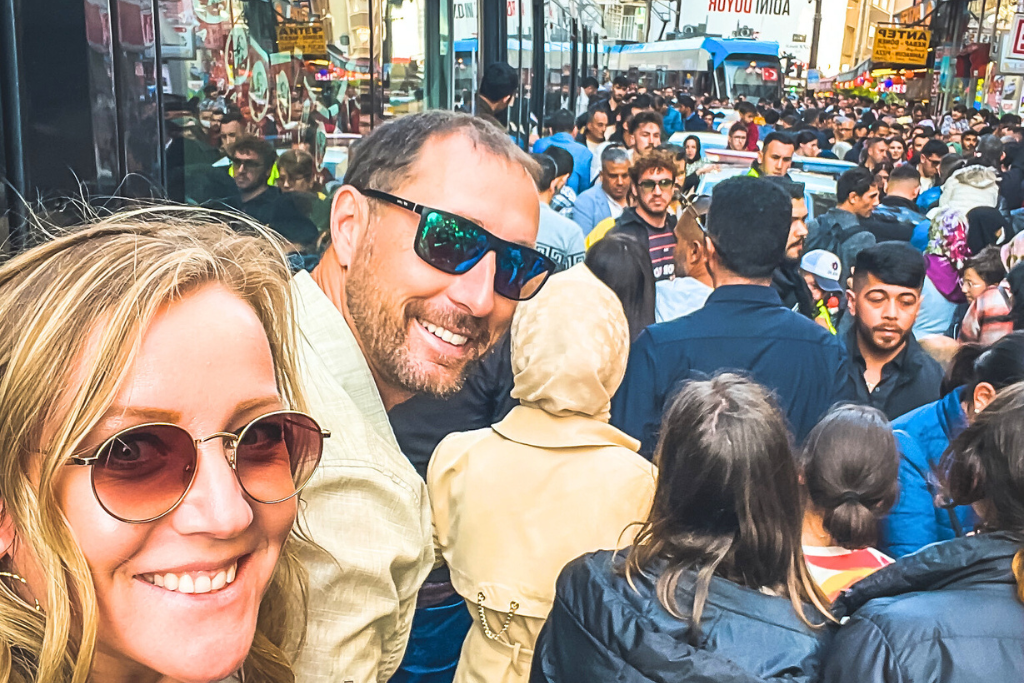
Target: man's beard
[
  {"x": 867, "y": 334},
  {"x": 383, "y": 329}
]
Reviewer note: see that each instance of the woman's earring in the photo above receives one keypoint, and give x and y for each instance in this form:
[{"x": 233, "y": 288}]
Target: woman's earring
[{"x": 18, "y": 578}]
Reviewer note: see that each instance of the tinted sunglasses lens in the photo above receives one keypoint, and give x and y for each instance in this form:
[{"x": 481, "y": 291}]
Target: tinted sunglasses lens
[
  {"x": 520, "y": 272},
  {"x": 277, "y": 454},
  {"x": 143, "y": 473},
  {"x": 449, "y": 243}
]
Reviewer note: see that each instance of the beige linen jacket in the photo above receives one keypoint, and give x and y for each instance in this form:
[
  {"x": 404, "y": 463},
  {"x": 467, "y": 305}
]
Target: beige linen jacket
[
  {"x": 515, "y": 502},
  {"x": 366, "y": 506}
]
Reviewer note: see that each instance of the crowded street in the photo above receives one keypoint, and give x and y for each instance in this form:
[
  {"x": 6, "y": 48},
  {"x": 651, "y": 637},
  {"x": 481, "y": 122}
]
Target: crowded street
[{"x": 321, "y": 362}]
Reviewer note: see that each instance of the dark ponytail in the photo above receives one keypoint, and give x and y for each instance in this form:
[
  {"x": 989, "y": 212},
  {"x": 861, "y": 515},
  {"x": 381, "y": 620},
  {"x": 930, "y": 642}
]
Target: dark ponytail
[
  {"x": 1000, "y": 365},
  {"x": 850, "y": 468},
  {"x": 1015, "y": 280}
]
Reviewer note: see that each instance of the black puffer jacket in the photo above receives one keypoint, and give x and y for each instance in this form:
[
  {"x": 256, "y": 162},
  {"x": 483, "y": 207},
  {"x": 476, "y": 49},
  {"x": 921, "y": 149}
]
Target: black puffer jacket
[
  {"x": 945, "y": 614},
  {"x": 600, "y": 630}
]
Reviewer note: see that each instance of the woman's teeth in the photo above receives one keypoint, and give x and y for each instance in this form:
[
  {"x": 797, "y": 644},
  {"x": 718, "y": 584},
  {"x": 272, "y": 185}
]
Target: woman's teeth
[
  {"x": 193, "y": 582},
  {"x": 445, "y": 335}
]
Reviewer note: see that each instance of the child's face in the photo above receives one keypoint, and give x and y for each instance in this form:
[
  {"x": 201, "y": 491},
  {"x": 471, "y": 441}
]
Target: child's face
[
  {"x": 972, "y": 285},
  {"x": 812, "y": 285}
]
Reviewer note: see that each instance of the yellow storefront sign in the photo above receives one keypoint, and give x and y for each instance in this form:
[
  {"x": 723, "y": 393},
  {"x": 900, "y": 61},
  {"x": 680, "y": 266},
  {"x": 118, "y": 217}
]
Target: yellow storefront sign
[
  {"x": 907, "y": 46},
  {"x": 309, "y": 39}
]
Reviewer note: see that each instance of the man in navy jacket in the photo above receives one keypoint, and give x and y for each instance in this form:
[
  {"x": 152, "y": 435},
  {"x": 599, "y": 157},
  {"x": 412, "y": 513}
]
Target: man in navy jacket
[{"x": 743, "y": 326}]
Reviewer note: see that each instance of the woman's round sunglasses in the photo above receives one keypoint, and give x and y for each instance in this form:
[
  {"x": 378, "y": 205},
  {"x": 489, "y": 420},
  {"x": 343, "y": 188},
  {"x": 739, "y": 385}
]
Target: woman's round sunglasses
[{"x": 144, "y": 472}]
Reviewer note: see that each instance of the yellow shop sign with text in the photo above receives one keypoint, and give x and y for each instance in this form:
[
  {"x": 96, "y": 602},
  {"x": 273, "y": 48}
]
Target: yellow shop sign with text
[{"x": 908, "y": 46}]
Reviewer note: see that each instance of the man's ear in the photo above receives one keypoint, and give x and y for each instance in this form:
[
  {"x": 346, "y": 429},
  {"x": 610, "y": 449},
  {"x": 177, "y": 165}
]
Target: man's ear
[
  {"x": 350, "y": 217},
  {"x": 851, "y": 302}
]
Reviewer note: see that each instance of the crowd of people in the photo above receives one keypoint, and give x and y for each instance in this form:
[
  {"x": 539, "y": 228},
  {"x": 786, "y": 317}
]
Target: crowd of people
[{"x": 545, "y": 417}]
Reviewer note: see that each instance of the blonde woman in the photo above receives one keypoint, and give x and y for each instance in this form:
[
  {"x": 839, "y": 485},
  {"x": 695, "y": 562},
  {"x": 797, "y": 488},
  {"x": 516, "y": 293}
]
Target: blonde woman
[{"x": 149, "y": 456}]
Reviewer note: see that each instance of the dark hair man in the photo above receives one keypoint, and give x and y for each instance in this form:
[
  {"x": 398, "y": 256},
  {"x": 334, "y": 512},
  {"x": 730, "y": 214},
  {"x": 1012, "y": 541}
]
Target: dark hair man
[
  {"x": 252, "y": 160},
  {"x": 775, "y": 157},
  {"x": 645, "y": 129},
  {"x": 807, "y": 142},
  {"x": 874, "y": 153},
  {"x": 653, "y": 178},
  {"x": 888, "y": 368},
  {"x": 498, "y": 89},
  {"x": 747, "y": 113},
  {"x": 839, "y": 229},
  {"x": 787, "y": 279},
  {"x": 928, "y": 162},
  {"x": 897, "y": 214},
  {"x": 860, "y": 134},
  {"x": 620, "y": 86},
  {"x": 232, "y": 127},
  {"x": 563, "y": 129},
  {"x": 558, "y": 237},
  {"x": 588, "y": 92},
  {"x": 379, "y": 323},
  {"x": 606, "y": 199},
  {"x": 743, "y": 326},
  {"x": 688, "y": 110},
  {"x": 968, "y": 141}
]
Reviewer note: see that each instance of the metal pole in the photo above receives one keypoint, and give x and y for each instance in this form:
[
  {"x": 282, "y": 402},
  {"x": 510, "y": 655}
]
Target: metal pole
[
  {"x": 981, "y": 20},
  {"x": 813, "y": 62},
  {"x": 995, "y": 22}
]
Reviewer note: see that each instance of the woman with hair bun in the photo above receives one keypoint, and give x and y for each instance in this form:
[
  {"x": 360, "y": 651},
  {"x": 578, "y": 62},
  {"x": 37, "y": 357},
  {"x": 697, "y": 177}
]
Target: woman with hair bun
[
  {"x": 848, "y": 469},
  {"x": 950, "y": 612}
]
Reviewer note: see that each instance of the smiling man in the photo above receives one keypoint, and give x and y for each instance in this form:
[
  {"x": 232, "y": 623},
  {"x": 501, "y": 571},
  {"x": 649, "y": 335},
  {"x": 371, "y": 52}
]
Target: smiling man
[
  {"x": 888, "y": 368},
  {"x": 416, "y": 285}
]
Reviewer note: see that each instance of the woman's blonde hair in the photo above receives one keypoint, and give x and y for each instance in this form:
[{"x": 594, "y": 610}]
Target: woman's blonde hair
[{"x": 102, "y": 285}]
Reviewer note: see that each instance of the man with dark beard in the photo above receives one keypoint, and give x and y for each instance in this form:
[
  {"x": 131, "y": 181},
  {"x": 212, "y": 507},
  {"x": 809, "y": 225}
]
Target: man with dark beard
[
  {"x": 787, "y": 280},
  {"x": 888, "y": 368},
  {"x": 414, "y": 287}
]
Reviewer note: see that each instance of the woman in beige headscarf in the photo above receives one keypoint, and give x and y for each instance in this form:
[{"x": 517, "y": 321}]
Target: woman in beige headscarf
[{"x": 517, "y": 501}]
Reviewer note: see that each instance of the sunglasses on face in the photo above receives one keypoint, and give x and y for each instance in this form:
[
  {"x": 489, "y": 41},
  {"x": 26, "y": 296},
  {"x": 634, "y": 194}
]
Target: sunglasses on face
[
  {"x": 144, "y": 472},
  {"x": 454, "y": 245},
  {"x": 648, "y": 185},
  {"x": 247, "y": 163}
]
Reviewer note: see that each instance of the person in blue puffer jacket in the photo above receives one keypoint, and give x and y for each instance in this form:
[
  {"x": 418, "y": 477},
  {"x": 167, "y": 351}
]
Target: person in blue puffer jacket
[{"x": 924, "y": 434}]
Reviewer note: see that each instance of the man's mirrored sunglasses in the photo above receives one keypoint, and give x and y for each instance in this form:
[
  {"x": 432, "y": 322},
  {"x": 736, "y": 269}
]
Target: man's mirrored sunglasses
[{"x": 454, "y": 245}]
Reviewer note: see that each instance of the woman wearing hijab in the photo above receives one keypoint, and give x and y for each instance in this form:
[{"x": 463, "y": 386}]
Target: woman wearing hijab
[
  {"x": 944, "y": 256},
  {"x": 693, "y": 164},
  {"x": 515, "y": 502}
]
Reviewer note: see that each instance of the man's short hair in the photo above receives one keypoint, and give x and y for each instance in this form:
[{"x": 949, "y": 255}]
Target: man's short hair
[
  {"x": 656, "y": 158},
  {"x": 988, "y": 264},
  {"x": 298, "y": 163},
  {"x": 934, "y": 146},
  {"x": 614, "y": 154},
  {"x": 589, "y": 82},
  {"x": 546, "y": 171},
  {"x": 878, "y": 125},
  {"x": 745, "y": 108},
  {"x": 644, "y": 118},
  {"x": 563, "y": 159},
  {"x": 860, "y": 125},
  {"x": 892, "y": 263},
  {"x": 791, "y": 187},
  {"x": 643, "y": 101},
  {"x": 621, "y": 82},
  {"x": 562, "y": 121},
  {"x": 385, "y": 159},
  {"x": 254, "y": 145},
  {"x": 854, "y": 181},
  {"x": 500, "y": 81},
  {"x": 749, "y": 222},
  {"x": 789, "y": 120},
  {"x": 777, "y": 136},
  {"x": 970, "y": 132},
  {"x": 905, "y": 172},
  {"x": 687, "y": 101},
  {"x": 232, "y": 117},
  {"x": 771, "y": 117}
]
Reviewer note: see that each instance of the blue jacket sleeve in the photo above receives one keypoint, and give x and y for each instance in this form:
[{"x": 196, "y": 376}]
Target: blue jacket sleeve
[
  {"x": 911, "y": 524},
  {"x": 860, "y": 653},
  {"x": 584, "y": 213},
  {"x": 637, "y": 405}
]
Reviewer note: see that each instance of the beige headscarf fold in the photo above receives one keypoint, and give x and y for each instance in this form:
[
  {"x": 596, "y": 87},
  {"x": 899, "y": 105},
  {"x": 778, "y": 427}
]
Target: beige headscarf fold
[{"x": 570, "y": 345}]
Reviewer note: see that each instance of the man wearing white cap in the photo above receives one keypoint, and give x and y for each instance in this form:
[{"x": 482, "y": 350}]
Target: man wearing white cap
[{"x": 821, "y": 270}]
